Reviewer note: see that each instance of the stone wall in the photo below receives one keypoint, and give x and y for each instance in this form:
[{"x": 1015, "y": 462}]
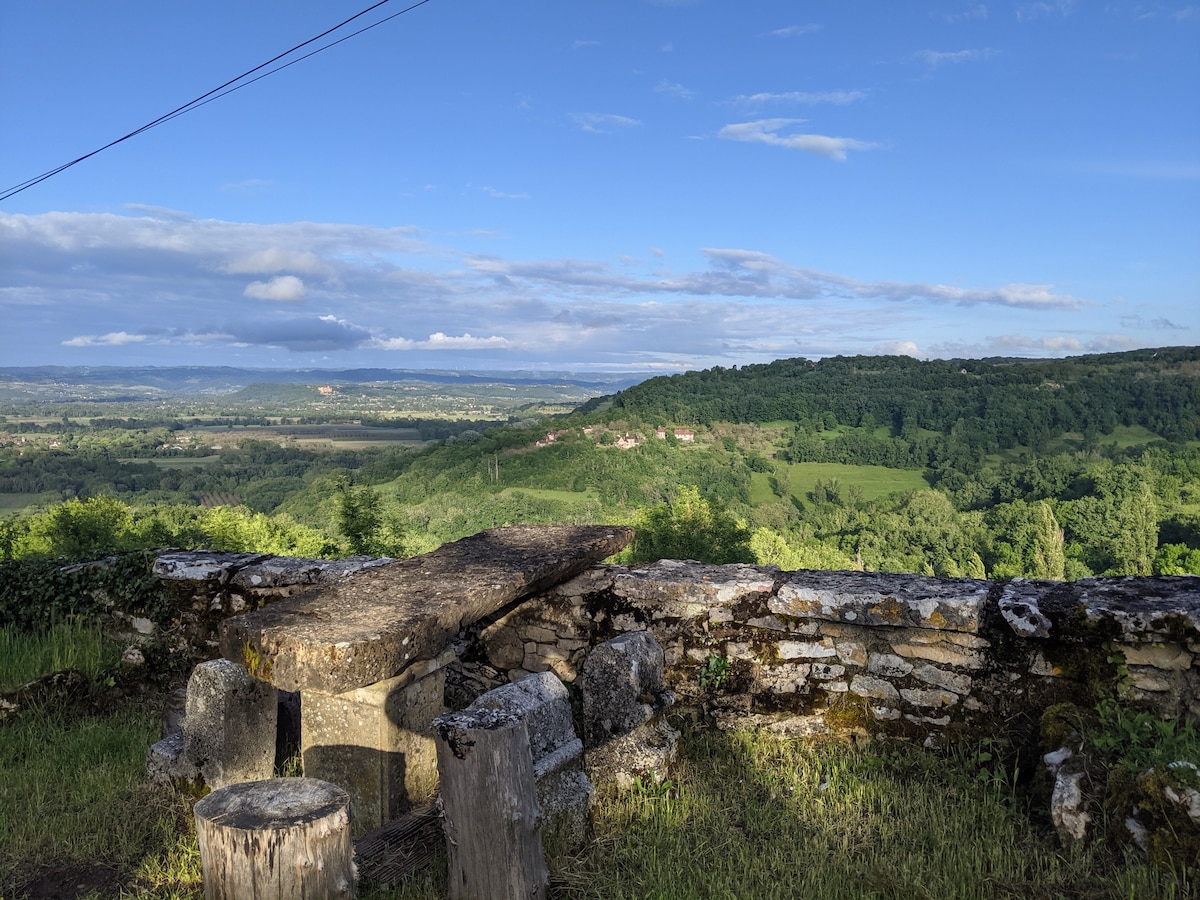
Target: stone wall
[
  {"x": 804, "y": 653},
  {"x": 820, "y": 653}
]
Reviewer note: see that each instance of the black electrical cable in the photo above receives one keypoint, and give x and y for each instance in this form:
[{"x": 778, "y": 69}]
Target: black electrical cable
[{"x": 225, "y": 89}]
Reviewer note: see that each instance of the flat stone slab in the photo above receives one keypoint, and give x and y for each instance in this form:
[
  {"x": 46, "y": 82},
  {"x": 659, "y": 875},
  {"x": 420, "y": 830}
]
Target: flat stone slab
[
  {"x": 876, "y": 598},
  {"x": 375, "y": 623},
  {"x": 1137, "y": 609}
]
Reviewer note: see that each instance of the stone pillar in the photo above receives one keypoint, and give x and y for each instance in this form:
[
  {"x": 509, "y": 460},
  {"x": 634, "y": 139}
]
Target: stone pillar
[
  {"x": 227, "y": 733},
  {"x": 625, "y": 731},
  {"x": 376, "y": 742}
]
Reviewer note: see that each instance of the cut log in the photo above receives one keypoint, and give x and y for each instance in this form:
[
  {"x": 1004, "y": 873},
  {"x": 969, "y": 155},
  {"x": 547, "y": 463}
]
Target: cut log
[
  {"x": 279, "y": 839},
  {"x": 490, "y": 807}
]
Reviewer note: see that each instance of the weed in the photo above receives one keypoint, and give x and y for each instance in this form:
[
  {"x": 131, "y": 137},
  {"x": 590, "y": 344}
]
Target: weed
[{"x": 714, "y": 673}]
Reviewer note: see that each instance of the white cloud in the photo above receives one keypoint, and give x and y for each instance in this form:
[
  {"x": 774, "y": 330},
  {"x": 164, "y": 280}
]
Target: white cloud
[
  {"x": 270, "y": 260},
  {"x": 765, "y": 131},
  {"x": 502, "y": 195},
  {"x": 979, "y": 11},
  {"x": 112, "y": 339},
  {"x": 674, "y": 90},
  {"x": 602, "y": 123},
  {"x": 439, "y": 341},
  {"x": 805, "y": 97},
  {"x": 281, "y": 287},
  {"x": 898, "y": 348},
  {"x": 955, "y": 57},
  {"x": 1029, "y": 11},
  {"x": 795, "y": 30},
  {"x": 178, "y": 286}
]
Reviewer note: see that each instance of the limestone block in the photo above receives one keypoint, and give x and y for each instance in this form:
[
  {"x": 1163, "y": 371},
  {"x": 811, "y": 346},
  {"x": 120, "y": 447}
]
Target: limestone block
[
  {"x": 1019, "y": 606},
  {"x": 377, "y": 742},
  {"x": 624, "y": 729},
  {"x": 824, "y": 672},
  {"x": 936, "y": 722},
  {"x": 799, "y": 726},
  {"x": 1144, "y": 608},
  {"x": 647, "y": 751},
  {"x": 502, "y": 646},
  {"x": 539, "y": 635},
  {"x": 936, "y": 698},
  {"x": 885, "y": 713},
  {"x": 230, "y": 724},
  {"x": 873, "y": 688},
  {"x": 852, "y": 653},
  {"x": 951, "y": 681},
  {"x": 369, "y": 628},
  {"x": 622, "y": 686},
  {"x": 164, "y": 762},
  {"x": 738, "y": 650},
  {"x": 1160, "y": 656},
  {"x": 787, "y": 678},
  {"x": 674, "y": 589},
  {"x": 807, "y": 649},
  {"x": 770, "y": 623},
  {"x": 1068, "y": 806},
  {"x": 1150, "y": 679},
  {"x": 888, "y": 665},
  {"x": 563, "y": 790},
  {"x": 943, "y": 654},
  {"x": 872, "y": 598}
]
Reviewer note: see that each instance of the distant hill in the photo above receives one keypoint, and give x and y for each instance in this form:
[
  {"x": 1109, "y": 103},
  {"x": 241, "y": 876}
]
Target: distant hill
[
  {"x": 991, "y": 404},
  {"x": 131, "y": 383}
]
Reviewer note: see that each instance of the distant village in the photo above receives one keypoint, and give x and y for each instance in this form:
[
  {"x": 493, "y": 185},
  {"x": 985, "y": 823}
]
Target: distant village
[{"x": 625, "y": 441}]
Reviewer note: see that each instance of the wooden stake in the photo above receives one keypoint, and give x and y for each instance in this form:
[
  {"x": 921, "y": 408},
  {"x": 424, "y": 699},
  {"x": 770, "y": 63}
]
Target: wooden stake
[{"x": 489, "y": 799}]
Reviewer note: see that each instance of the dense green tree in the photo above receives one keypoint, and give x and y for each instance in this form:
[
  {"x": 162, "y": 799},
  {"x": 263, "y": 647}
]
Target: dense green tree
[{"x": 690, "y": 526}]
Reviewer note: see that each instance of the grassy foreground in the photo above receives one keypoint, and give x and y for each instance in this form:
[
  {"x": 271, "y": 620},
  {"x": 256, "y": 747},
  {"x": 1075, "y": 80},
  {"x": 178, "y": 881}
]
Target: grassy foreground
[{"x": 746, "y": 815}]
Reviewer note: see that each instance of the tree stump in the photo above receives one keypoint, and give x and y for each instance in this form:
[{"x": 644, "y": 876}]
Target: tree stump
[
  {"x": 279, "y": 839},
  {"x": 490, "y": 807}
]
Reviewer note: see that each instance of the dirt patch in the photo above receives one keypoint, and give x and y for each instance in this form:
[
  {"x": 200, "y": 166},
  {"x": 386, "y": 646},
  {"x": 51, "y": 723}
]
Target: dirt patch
[{"x": 68, "y": 881}]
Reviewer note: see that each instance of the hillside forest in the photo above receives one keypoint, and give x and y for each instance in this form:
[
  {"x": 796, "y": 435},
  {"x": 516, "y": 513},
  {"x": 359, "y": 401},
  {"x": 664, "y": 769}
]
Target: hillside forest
[{"x": 994, "y": 468}]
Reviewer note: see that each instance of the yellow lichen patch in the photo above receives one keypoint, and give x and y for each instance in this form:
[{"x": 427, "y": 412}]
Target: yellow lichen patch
[
  {"x": 889, "y": 611},
  {"x": 936, "y": 619},
  {"x": 255, "y": 664}
]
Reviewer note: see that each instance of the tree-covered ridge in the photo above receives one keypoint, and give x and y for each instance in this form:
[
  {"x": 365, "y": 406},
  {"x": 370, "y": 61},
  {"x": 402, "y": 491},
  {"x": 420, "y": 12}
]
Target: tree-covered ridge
[
  {"x": 987, "y": 405},
  {"x": 845, "y": 488}
]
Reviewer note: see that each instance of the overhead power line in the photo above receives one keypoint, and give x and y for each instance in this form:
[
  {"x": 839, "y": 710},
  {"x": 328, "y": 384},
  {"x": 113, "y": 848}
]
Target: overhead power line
[{"x": 234, "y": 84}]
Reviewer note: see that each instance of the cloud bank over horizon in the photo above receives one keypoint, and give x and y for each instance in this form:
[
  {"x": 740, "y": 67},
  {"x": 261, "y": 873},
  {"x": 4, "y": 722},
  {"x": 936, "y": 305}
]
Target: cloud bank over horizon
[{"x": 116, "y": 285}]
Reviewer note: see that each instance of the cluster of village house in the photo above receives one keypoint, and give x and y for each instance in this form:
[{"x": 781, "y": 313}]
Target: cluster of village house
[{"x": 625, "y": 441}]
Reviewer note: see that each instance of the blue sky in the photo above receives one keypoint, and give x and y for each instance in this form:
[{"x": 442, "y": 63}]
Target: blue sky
[{"x": 599, "y": 184}]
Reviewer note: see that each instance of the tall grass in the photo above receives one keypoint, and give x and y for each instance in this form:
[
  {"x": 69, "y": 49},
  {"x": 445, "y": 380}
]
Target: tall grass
[
  {"x": 753, "y": 816},
  {"x": 68, "y": 644},
  {"x": 745, "y": 815}
]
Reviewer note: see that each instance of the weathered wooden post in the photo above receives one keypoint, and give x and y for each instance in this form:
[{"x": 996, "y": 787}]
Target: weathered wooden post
[
  {"x": 279, "y": 839},
  {"x": 489, "y": 799}
]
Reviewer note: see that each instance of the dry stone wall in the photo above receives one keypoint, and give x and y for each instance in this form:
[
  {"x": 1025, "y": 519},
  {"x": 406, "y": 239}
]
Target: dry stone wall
[
  {"x": 800, "y": 653},
  {"x": 821, "y": 653}
]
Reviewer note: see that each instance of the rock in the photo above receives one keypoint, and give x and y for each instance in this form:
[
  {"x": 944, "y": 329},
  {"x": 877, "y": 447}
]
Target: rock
[
  {"x": 133, "y": 658},
  {"x": 1068, "y": 806},
  {"x": 871, "y": 598},
  {"x": 1019, "y": 606}
]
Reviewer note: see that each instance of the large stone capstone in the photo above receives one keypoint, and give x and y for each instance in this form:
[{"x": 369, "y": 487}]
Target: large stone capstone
[{"x": 374, "y": 624}]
